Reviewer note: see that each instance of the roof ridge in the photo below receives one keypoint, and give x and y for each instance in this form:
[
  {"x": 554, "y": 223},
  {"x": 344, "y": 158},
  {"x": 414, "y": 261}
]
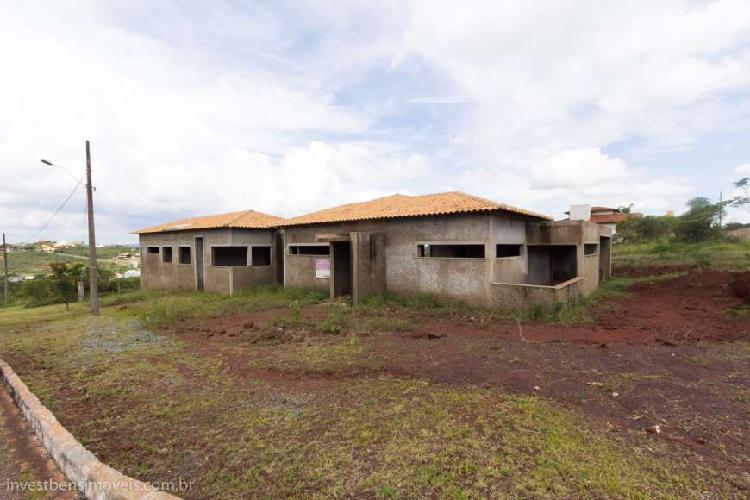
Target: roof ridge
[
  {"x": 257, "y": 220},
  {"x": 241, "y": 214}
]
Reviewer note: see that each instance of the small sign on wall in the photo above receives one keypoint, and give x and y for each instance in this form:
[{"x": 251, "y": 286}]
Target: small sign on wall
[{"x": 322, "y": 268}]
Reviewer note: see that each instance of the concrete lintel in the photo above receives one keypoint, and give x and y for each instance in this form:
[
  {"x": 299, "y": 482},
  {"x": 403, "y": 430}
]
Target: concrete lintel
[{"x": 332, "y": 237}]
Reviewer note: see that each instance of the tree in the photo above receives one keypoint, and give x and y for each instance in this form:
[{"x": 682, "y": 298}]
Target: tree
[
  {"x": 700, "y": 222},
  {"x": 65, "y": 276},
  {"x": 743, "y": 184},
  {"x": 642, "y": 229}
]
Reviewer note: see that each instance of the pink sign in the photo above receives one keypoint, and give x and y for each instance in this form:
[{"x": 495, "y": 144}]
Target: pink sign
[{"x": 322, "y": 268}]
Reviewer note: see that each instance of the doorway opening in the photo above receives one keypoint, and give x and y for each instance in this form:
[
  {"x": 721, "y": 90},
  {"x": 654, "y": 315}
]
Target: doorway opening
[
  {"x": 605, "y": 249},
  {"x": 342, "y": 268},
  {"x": 552, "y": 264},
  {"x": 199, "y": 264}
]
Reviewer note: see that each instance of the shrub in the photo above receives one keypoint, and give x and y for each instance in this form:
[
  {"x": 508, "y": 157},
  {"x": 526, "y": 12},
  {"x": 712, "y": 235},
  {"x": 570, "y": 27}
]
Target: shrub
[
  {"x": 643, "y": 229},
  {"x": 40, "y": 291},
  {"x": 699, "y": 223}
]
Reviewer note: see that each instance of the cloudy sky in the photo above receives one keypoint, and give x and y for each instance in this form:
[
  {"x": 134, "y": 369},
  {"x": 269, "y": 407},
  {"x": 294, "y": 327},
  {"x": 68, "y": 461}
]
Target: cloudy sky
[{"x": 286, "y": 107}]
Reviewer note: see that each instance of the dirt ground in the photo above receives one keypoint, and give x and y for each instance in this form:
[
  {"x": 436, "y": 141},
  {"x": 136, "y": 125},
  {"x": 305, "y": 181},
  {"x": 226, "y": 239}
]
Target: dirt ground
[
  {"x": 22, "y": 457},
  {"x": 668, "y": 360},
  {"x": 649, "y": 397}
]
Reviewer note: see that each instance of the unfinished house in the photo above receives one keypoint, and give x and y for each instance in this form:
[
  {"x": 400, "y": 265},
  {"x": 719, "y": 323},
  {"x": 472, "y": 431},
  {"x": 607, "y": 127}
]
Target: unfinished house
[
  {"x": 217, "y": 253},
  {"x": 449, "y": 244}
]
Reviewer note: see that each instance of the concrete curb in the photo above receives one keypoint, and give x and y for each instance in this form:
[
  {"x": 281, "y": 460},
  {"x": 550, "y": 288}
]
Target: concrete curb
[{"x": 94, "y": 479}]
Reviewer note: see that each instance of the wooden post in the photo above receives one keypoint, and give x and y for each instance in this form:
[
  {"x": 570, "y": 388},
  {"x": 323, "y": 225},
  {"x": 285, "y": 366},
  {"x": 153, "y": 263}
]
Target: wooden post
[
  {"x": 92, "y": 236},
  {"x": 5, "y": 265}
]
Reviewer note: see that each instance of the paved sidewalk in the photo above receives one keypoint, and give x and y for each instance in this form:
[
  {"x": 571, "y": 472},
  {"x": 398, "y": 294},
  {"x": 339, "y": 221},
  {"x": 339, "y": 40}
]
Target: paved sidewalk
[{"x": 22, "y": 458}]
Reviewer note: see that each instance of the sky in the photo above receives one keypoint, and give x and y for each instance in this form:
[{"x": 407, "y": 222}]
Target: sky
[{"x": 195, "y": 108}]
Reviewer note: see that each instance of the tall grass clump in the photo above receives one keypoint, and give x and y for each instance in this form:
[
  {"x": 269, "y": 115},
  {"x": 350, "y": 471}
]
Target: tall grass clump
[{"x": 180, "y": 306}]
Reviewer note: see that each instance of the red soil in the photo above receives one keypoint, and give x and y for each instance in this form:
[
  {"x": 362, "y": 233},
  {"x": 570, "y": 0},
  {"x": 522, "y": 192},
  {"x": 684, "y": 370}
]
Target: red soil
[
  {"x": 650, "y": 357},
  {"x": 684, "y": 310}
]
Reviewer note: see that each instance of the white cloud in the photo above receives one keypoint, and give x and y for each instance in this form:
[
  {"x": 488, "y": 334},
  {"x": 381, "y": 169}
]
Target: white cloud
[
  {"x": 579, "y": 168},
  {"x": 568, "y": 74},
  {"x": 582, "y": 176},
  {"x": 293, "y": 107}
]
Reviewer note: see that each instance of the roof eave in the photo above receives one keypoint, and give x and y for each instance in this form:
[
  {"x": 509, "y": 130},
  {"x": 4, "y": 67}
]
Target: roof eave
[{"x": 436, "y": 214}]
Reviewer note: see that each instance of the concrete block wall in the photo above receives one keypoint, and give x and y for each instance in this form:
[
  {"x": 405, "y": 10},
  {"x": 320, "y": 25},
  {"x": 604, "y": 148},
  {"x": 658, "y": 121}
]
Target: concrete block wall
[
  {"x": 404, "y": 271},
  {"x": 522, "y": 296},
  {"x": 398, "y": 268},
  {"x": 155, "y": 274}
]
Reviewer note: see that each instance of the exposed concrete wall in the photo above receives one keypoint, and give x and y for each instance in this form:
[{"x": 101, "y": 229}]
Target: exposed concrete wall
[
  {"x": 539, "y": 265},
  {"x": 555, "y": 233},
  {"x": 590, "y": 274},
  {"x": 156, "y": 274},
  {"x": 576, "y": 233},
  {"x": 384, "y": 256},
  {"x": 368, "y": 264},
  {"x": 519, "y": 296},
  {"x": 299, "y": 270},
  {"x": 403, "y": 271},
  {"x": 512, "y": 269},
  {"x": 605, "y": 258}
]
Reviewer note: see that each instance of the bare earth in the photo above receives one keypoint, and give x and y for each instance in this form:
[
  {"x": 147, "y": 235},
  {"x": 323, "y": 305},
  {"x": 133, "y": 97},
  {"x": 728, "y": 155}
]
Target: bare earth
[
  {"x": 659, "y": 356},
  {"x": 22, "y": 458}
]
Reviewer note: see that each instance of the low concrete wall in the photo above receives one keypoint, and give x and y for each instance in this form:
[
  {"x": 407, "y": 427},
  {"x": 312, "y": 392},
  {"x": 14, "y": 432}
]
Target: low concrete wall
[
  {"x": 80, "y": 466},
  {"x": 522, "y": 296}
]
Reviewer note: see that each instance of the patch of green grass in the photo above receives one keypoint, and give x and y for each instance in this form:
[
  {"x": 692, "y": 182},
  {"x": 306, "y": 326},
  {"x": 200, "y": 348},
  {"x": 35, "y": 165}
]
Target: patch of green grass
[
  {"x": 715, "y": 255},
  {"x": 626, "y": 380},
  {"x": 399, "y": 312},
  {"x": 335, "y": 355},
  {"x": 410, "y": 301},
  {"x": 19, "y": 316},
  {"x": 174, "y": 307},
  {"x": 721, "y": 353},
  {"x": 325, "y": 422}
]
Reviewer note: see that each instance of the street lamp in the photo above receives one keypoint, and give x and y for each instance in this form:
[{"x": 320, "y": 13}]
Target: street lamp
[{"x": 93, "y": 273}]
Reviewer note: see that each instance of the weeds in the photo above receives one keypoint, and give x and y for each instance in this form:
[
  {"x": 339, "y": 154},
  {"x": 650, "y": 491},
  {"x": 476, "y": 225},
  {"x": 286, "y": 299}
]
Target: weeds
[
  {"x": 714, "y": 255},
  {"x": 175, "y": 307},
  {"x": 335, "y": 321}
]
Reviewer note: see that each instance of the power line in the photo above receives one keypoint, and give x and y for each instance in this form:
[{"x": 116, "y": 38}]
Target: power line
[{"x": 62, "y": 205}]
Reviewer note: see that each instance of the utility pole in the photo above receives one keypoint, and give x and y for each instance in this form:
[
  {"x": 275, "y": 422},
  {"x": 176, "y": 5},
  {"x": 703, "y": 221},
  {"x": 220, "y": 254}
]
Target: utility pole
[
  {"x": 5, "y": 265},
  {"x": 93, "y": 273},
  {"x": 721, "y": 208}
]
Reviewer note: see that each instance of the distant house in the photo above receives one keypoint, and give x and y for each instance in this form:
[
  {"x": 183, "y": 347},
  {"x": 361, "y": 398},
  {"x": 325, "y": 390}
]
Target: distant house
[
  {"x": 447, "y": 244},
  {"x": 132, "y": 273},
  {"x": 604, "y": 216},
  {"x": 45, "y": 246}
]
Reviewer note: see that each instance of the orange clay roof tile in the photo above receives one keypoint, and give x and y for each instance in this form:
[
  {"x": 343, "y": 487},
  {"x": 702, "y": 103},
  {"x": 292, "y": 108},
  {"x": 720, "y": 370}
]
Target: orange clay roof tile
[
  {"x": 614, "y": 218},
  {"x": 398, "y": 205},
  {"x": 245, "y": 219}
]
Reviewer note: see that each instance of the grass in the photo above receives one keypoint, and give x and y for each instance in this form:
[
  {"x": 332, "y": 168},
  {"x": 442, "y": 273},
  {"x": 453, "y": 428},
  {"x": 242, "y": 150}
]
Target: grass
[
  {"x": 317, "y": 416},
  {"x": 381, "y": 436},
  {"x": 722, "y": 353},
  {"x": 171, "y": 308},
  {"x": 723, "y": 256},
  {"x": 32, "y": 262},
  {"x": 626, "y": 380}
]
